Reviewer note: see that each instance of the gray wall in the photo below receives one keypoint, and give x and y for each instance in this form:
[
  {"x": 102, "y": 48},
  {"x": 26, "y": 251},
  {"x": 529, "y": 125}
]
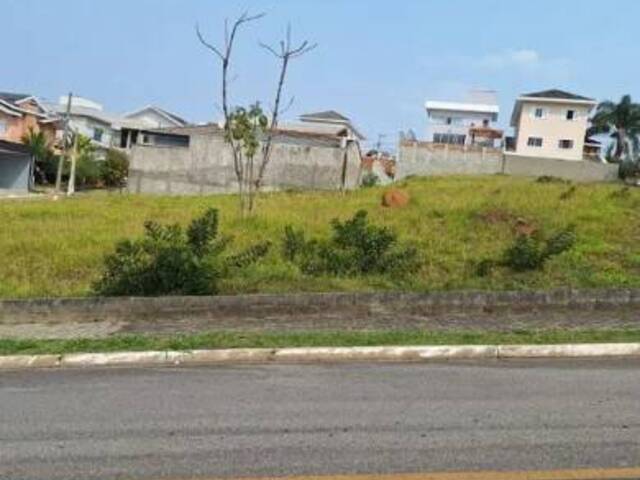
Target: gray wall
[
  {"x": 206, "y": 166},
  {"x": 425, "y": 159},
  {"x": 578, "y": 171},
  {"x": 14, "y": 171},
  {"x": 615, "y": 308}
]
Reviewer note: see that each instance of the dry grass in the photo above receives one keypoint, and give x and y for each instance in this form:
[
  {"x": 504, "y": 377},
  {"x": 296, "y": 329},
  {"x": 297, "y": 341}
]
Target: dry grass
[{"x": 55, "y": 248}]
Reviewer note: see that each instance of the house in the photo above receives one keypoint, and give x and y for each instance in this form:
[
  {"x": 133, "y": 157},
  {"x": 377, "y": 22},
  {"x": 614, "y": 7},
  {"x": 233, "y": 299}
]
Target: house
[
  {"x": 551, "y": 124},
  {"x": 20, "y": 113},
  {"x": 464, "y": 123},
  {"x": 111, "y": 130},
  {"x": 16, "y": 167},
  {"x": 329, "y": 120},
  {"x": 155, "y": 117}
]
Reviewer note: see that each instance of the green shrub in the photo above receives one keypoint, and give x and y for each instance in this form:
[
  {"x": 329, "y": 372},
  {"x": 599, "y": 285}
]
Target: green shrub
[
  {"x": 629, "y": 169},
  {"x": 88, "y": 172},
  {"x": 169, "y": 261},
  {"x": 115, "y": 169},
  {"x": 369, "y": 180},
  {"x": 355, "y": 248},
  {"x": 530, "y": 252}
]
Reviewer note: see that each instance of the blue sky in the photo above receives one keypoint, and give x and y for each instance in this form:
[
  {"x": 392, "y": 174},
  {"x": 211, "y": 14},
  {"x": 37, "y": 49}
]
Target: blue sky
[{"x": 377, "y": 60}]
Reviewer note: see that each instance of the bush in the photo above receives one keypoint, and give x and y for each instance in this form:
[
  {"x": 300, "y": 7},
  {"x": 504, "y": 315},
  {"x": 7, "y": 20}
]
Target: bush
[
  {"x": 529, "y": 252},
  {"x": 169, "y": 261},
  {"x": 88, "y": 172},
  {"x": 355, "y": 248},
  {"x": 629, "y": 169},
  {"x": 369, "y": 180},
  {"x": 115, "y": 169}
]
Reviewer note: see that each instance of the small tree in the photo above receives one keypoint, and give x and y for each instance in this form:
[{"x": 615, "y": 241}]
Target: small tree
[
  {"x": 245, "y": 131},
  {"x": 285, "y": 53}
]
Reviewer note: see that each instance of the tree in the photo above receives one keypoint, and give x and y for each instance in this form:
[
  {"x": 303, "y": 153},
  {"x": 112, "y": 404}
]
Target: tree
[
  {"x": 248, "y": 183},
  {"x": 39, "y": 147},
  {"x": 622, "y": 121},
  {"x": 284, "y": 53},
  {"x": 225, "y": 55},
  {"x": 246, "y": 129}
]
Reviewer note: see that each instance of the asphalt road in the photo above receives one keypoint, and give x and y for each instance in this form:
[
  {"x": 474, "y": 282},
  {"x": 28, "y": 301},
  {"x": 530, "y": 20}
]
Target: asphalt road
[{"x": 319, "y": 419}]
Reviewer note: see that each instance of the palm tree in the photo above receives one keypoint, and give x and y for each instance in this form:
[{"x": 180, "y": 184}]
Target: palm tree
[
  {"x": 622, "y": 121},
  {"x": 37, "y": 143},
  {"x": 40, "y": 149}
]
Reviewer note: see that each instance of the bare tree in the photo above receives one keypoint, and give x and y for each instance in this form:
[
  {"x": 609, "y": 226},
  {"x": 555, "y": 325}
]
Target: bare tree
[
  {"x": 285, "y": 52},
  {"x": 225, "y": 55},
  {"x": 248, "y": 183}
]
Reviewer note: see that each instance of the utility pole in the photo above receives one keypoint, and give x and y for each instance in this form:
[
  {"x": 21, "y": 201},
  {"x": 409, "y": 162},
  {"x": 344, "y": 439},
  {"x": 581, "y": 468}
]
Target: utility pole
[
  {"x": 65, "y": 136},
  {"x": 71, "y": 186},
  {"x": 379, "y": 144}
]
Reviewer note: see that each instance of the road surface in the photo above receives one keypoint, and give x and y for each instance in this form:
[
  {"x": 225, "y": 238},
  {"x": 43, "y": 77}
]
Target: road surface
[{"x": 319, "y": 419}]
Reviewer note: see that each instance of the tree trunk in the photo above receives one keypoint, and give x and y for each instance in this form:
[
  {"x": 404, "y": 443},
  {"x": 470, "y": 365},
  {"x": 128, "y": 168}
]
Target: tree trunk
[{"x": 621, "y": 144}]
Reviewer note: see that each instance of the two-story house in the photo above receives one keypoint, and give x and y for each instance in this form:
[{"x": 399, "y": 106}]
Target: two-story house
[
  {"x": 20, "y": 113},
  {"x": 464, "y": 123},
  {"x": 551, "y": 124}
]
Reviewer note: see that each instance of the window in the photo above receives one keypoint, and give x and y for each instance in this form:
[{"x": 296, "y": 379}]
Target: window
[
  {"x": 449, "y": 120},
  {"x": 449, "y": 138},
  {"x": 539, "y": 112},
  {"x": 145, "y": 139},
  {"x": 565, "y": 144},
  {"x": 571, "y": 114},
  {"x": 485, "y": 123},
  {"x": 534, "y": 142},
  {"x": 3, "y": 127},
  {"x": 97, "y": 134}
]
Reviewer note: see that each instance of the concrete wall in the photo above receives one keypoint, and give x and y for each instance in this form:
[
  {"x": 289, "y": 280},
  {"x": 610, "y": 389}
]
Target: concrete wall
[
  {"x": 552, "y": 128},
  {"x": 206, "y": 166},
  {"x": 424, "y": 159},
  {"x": 583, "y": 171},
  {"x": 339, "y": 311}
]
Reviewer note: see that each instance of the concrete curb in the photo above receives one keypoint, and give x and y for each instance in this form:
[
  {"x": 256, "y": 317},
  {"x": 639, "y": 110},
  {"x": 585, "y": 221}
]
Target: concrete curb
[{"x": 317, "y": 355}]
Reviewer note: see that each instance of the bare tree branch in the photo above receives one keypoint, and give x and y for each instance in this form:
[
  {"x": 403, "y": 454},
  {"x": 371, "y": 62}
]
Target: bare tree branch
[
  {"x": 204, "y": 42},
  {"x": 285, "y": 54}
]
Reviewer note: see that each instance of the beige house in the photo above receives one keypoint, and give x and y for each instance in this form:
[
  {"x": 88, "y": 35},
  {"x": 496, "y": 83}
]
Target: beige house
[{"x": 551, "y": 124}]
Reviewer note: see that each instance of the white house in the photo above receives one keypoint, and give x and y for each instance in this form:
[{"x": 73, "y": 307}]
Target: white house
[
  {"x": 155, "y": 117},
  {"x": 464, "y": 123},
  {"x": 110, "y": 130}
]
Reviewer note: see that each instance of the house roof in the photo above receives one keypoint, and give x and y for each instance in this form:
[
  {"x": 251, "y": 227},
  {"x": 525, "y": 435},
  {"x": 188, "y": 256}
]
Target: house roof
[
  {"x": 549, "y": 96},
  {"x": 9, "y": 109},
  {"x": 172, "y": 117},
  {"x": 13, "y": 97},
  {"x": 326, "y": 115},
  {"x": 557, "y": 95}
]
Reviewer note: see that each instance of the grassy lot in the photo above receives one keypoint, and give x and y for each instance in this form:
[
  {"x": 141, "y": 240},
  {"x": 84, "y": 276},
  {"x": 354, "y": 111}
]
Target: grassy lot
[
  {"x": 55, "y": 248},
  {"x": 313, "y": 339}
]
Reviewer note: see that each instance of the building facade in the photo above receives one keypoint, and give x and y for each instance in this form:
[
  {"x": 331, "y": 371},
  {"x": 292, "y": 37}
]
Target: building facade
[
  {"x": 551, "y": 124},
  {"x": 464, "y": 123}
]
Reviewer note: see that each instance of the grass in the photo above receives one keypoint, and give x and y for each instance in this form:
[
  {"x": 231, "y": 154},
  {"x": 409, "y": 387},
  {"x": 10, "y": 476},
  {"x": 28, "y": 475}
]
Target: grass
[
  {"x": 55, "y": 248},
  {"x": 217, "y": 340}
]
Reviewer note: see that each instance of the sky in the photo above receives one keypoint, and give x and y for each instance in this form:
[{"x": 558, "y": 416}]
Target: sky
[{"x": 377, "y": 61}]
